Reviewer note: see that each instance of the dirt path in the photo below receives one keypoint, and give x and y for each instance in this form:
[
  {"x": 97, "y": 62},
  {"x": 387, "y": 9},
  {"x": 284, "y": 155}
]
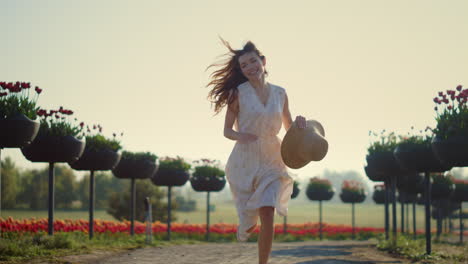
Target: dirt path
[{"x": 311, "y": 252}]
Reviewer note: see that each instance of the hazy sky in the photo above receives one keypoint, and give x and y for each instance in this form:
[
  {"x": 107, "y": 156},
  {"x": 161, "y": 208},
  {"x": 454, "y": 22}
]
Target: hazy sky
[{"x": 139, "y": 66}]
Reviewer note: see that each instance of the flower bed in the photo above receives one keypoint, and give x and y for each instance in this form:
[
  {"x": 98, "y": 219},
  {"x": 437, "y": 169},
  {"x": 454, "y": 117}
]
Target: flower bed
[{"x": 304, "y": 231}]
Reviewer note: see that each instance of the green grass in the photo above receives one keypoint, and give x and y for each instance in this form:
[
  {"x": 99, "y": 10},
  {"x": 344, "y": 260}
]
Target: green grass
[
  {"x": 367, "y": 215},
  {"x": 17, "y": 248},
  {"x": 415, "y": 250}
]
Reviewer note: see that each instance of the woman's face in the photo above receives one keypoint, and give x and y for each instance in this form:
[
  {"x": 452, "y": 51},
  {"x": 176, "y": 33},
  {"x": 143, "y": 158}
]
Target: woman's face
[{"x": 252, "y": 66}]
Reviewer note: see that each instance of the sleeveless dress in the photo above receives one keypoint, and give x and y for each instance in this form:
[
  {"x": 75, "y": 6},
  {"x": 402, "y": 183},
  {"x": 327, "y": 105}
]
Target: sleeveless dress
[{"x": 255, "y": 171}]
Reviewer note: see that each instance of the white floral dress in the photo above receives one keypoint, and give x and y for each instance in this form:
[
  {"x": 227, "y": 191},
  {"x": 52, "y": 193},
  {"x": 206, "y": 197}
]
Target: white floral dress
[{"x": 256, "y": 173}]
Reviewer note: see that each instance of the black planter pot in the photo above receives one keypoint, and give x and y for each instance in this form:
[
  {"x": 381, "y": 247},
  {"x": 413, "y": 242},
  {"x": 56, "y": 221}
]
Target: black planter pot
[
  {"x": 352, "y": 197},
  {"x": 208, "y": 184},
  {"x": 404, "y": 197},
  {"x": 414, "y": 157},
  {"x": 452, "y": 151},
  {"x": 17, "y": 131},
  {"x": 460, "y": 194},
  {"x": 383, "y": 163},
  {"x": 170, "y": 177},
  {"x": 135, "y": 169},
  {"x": 97, "y": 160},
  {"x": 411, "y": 183},
  {"x": 441, "y": 191},
  {"x": 319, "y": 194},
  {"x": 379, "y": 196},
  {"x": 373, "y": 174},
  {"x": 54, "y": 149},
  {"x": 295, "y": 191}
]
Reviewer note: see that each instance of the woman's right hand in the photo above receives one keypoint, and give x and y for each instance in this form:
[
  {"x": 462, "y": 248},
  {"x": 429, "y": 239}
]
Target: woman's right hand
[{"x": 246, "y": 138}]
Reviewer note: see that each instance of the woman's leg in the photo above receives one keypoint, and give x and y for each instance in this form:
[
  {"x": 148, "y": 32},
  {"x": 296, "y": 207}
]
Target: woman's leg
[{"x": 265, "y": 238}]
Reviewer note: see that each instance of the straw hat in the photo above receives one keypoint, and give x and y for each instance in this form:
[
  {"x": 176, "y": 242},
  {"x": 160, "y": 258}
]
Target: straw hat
[{"x": 301, "y": 146}]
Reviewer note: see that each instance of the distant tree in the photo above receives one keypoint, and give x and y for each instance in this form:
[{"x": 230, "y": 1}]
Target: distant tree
[
  {"x": 65, "y": 186},
  {"x": 185, "y": 205},
  {"x": 104, "y": 185},
  {"x": 119, "y": 203},
  {"x": 9, "y": 183}
]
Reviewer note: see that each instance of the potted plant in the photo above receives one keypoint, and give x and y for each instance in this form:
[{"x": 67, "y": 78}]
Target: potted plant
[
  {"x": 380, "y": 157},
  {"x": 296, "y": 190},
  {"x": 319, "y": 190},
  {"x": 352, "y": 192},
  {"x": 18, "y": 114},
  {"x": 450, "y": 143},
  {"x": 207, "y": 176},
  {"x": 414, "y": 153},
  {"x": 172, "y": 172},
  {"x": 100, "y": 153},
  {"x": 136, "y": 165},
  {"x": 58, "y": 140},
  {"x": 442, "y": 186},
  {"x": 379, "y": 194}
]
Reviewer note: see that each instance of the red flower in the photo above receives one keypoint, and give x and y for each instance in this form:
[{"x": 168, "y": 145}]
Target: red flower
[
  {"x": 441, "y": 94},
  {"x": 449, "y": 107},
  {"x": 82, "y": 124},
  {"x": 436, "y": 100},
  {"x": 459, "y": 87},
  {"x": 3, "y": 94}
]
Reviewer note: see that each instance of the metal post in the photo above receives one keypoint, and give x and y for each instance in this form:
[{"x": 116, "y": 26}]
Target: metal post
[
  {"x": 169, "y": 213},
  {"x": 320, "y": 225},
  {"x": 149, "y": 221},
  {"x": 439, "y": 218},
  {"x": 51, "y": 198},
  {"x": 352, "y": 206},
  {"x": 402, "y": 207},
  {"x": 387, "y": 213},
  {"x": 394, "y": 210},
  {"x": 132, "y": 207},
  {"x": 0, "y": 182},
  {"x": 207, "y": 216},
  {"x": 461, "y": 224},
  {"x": 285, "y": 222},
  {"x": 91, "y": 205},
  {"x": 407, "y": 218},
  {"x": 427, "y": 186},
  {"x": 414, "y": 219}
]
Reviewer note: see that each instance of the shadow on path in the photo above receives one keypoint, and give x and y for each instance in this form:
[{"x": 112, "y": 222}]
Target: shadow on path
[{"x": 340, "y": 261}]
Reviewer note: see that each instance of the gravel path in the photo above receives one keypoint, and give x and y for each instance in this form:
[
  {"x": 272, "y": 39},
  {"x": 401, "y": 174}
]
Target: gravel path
[{"x": 310, "y": 252}]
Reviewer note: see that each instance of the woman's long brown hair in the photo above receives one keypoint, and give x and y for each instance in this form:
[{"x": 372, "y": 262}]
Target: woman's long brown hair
[{"x": 229, "y": 75}]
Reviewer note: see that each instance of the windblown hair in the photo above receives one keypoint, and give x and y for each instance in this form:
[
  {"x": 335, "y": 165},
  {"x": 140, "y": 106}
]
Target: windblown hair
[{"x": 229, "y": 75}]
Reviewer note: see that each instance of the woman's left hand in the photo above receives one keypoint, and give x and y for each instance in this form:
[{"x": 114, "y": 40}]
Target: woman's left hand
[{"x": 301, "y": 122}]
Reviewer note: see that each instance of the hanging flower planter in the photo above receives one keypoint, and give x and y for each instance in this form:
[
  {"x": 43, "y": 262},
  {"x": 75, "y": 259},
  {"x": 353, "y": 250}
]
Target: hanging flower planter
[
  {"x": 54, "y": 149},
  {"x": 296, "y": 190},
  {"x": 207, "y": 177},
  {"x": 453, "y": 151},
  {"x": 380, "y": 159},
  {"x": 410, "y": 182},
  {"x": 373, "y": 175},
  {"x": 17, "y": 131},
  {"x": 140, "y": 165},
  {"x": 172, "y": 172},
  {"x": 379, "y": 194},
  {"x": 319, "y": 190},
  {"x": 352, "y": 192},
  {"x": 442, "y": 187},
  {"x": 100, "y": 153},
  {"x": 418, "y": 157},
  {"x": 17, "y": 114},
  {"x": 451, "y": 142},
  {"x": 461, "y": 190}
]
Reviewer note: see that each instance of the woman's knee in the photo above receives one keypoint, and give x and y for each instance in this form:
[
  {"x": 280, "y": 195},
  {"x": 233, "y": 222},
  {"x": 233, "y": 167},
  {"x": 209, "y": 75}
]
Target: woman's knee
[{"x": 266, "y": 212}]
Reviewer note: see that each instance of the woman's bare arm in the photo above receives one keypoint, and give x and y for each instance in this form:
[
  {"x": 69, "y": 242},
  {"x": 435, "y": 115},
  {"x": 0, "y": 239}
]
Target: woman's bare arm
[
  {"x": 231, "y": 116},
  {"x": 287, "y": 119}
]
